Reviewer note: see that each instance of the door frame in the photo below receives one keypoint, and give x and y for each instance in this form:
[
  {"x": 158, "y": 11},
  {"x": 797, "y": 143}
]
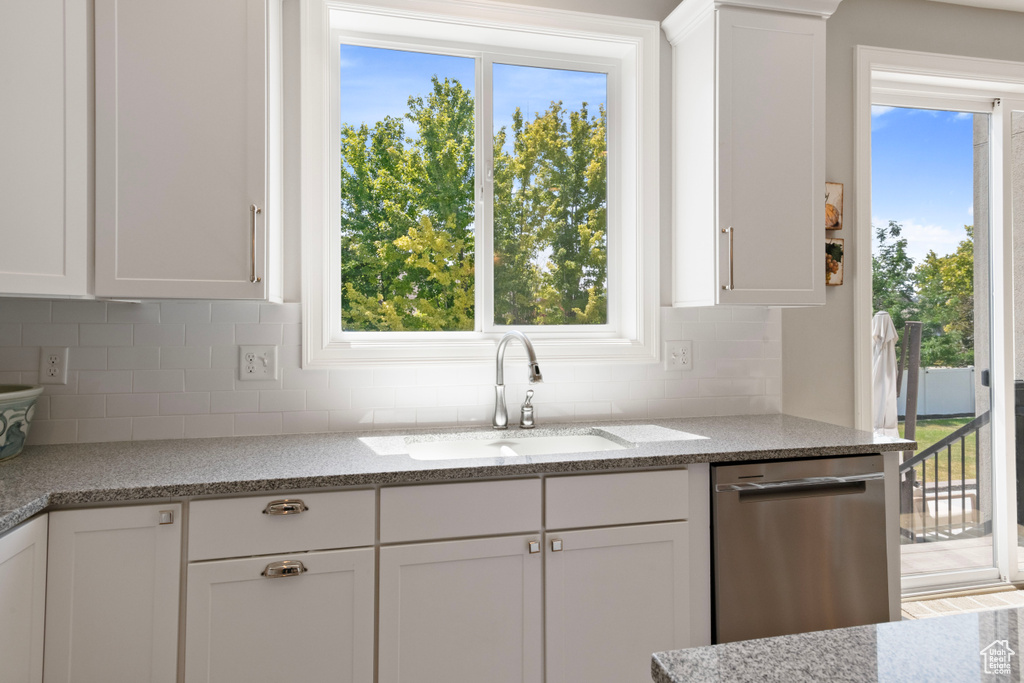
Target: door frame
[{"x": 928, "y": 80}]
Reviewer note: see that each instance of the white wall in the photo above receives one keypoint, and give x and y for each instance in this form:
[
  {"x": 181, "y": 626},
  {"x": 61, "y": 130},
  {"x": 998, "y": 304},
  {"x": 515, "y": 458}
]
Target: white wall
[{"x": 818, "y": 342}]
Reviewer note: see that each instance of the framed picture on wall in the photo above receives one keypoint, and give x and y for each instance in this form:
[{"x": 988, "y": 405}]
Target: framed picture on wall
[
  {"x": 834, "y": 257},
  {"x": 833, "y": 206}
]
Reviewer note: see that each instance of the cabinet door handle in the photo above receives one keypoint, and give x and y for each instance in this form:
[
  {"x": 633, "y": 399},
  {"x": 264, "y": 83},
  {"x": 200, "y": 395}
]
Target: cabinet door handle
[
  {"x": 556, "y": 545},
  {"x": 534, "y": 547},
  {"x": 253, "y": 212},
  {"x": 729, "y": 231},
  {"x": 285, "y": 506},
  {"x": 284, "y": 569}
]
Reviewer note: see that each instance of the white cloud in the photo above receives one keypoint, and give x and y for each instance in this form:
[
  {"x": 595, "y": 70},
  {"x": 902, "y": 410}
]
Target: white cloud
[
  {"x": 961, "y": 115},
  {"x": 924, "y": 238},
  {"x": 970, "y": 210},
  {"x": 878, "y": 110}
]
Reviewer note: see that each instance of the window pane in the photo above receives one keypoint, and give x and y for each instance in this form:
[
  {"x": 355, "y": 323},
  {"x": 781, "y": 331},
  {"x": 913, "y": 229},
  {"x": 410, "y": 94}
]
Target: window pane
[
  {"x": 407, "y": 198},
  {"x": 550, "y": 196}
]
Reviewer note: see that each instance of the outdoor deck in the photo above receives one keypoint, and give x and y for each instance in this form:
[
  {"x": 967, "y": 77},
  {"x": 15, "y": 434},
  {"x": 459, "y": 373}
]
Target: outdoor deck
[{"x": 966, "y": 553}]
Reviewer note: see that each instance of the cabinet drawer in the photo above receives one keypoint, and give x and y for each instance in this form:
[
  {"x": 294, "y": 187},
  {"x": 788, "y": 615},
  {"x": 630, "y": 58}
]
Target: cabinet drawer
[
  {"x": 610, "y": 499},
  {"x": 418, "y": 513},
  {"x": 238, "y": 527}
]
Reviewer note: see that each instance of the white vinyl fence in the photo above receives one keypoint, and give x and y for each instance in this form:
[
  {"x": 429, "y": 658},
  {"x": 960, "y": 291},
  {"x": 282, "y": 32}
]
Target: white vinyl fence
[{"x": 941, "y": 391}]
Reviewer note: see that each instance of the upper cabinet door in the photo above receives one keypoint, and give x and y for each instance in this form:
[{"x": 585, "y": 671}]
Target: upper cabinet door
[
  {"x": 771, "y": 154},
  {"x": 748, "y": 152},
  {"x": 44, "y": 147},
  {"x": 181, "y": 148}
]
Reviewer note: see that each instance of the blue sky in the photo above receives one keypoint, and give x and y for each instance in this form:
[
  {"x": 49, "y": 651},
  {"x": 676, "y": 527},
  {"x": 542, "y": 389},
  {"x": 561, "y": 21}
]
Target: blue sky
[
  {"x": 922, "y": 176},
  {"x": 377, "y": 82}
]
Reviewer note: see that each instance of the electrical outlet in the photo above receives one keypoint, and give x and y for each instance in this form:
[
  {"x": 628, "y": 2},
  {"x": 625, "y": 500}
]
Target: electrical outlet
[
  {"x": 53, "y": 365},
  {"x": 679, "y": 355},
  {"x": 257, "y": 363}
]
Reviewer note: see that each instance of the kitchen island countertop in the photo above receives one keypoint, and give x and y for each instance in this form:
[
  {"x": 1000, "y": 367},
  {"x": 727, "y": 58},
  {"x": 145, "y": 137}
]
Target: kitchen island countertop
[
  {"x": 79, "y": 474},
  {"x": 981, "y": 646}
]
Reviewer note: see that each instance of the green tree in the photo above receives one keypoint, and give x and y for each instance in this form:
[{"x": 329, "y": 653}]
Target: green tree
[
  {"x": 892, "y": 278},
  {"x": 945, "y": 293}
]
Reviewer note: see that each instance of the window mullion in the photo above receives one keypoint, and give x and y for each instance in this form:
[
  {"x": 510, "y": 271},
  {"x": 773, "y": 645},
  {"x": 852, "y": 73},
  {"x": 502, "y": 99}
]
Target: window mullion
[{"x": 485, "y": 195}]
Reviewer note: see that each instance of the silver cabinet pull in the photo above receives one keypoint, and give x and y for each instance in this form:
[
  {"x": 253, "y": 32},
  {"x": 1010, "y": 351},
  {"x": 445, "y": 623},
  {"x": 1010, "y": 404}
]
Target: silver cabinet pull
[
  {"x": 285, "y": 506},
  {"x": 556, "y": 545},
  {"x": 167, "y": 517},
  {"x": 253, "y": 212},
  {"x": 534, "y": 547},
  {"x": 284, "y": 569},
  {"x": 729, "y": 231}
]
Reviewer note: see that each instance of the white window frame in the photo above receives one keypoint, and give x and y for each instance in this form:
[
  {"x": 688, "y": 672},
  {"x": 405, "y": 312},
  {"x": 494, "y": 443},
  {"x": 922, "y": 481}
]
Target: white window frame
[
  {"x": 625, "y": 49},
  {"x": 935, "y": 81}
]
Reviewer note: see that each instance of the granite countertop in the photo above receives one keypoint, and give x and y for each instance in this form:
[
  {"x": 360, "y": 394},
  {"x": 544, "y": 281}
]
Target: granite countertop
[
  {"x": 74, "y": 474},
  {"x": 983, "y": 646}
]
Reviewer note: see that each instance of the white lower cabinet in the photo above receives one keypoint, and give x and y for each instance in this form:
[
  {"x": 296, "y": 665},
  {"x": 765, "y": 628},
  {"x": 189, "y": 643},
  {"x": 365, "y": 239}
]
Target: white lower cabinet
[
  {"x": 614, "y": 596},
  {"x": 22, "y": 602},
  {"x": 112, "y": 595},
  {"x": 313, "y": 622},
  {"x": 462, "y": 611}
]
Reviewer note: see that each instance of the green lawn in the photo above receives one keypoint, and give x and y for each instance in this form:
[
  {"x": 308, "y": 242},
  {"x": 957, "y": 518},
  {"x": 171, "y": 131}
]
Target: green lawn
[{"x": 930, "y": 432}]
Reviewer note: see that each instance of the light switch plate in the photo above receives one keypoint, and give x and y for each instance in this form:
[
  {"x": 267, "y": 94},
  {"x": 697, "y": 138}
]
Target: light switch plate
[
  {"x": 257, "y": 363},
  {"x": 679, "y": 355}
]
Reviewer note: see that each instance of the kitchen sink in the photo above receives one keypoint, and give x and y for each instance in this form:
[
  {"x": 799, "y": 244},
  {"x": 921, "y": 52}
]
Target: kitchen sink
[{"x": 499, "y": 447}]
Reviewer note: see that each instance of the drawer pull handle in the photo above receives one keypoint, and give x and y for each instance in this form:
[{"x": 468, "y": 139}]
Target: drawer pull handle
[
  {"x": 285, "y": 507},
  {"x": 556, "y": 545},
  {"x": 534, "y": 547},
  {"x": 284, "y": 569}
]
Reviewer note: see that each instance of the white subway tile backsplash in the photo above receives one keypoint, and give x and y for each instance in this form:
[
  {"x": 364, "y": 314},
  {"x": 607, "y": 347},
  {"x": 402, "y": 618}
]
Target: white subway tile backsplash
[
  {"x": 208, "y": 426},
  {"x": 169, "y": 369},
  {"x": 106, "y": 334},
  {"x": 24, "y": 311},
  {"x": 209, "y": 335},
  {"x": 49, "y": 334},
  {"x": 105, "y": 429},
  {"x": 74, "y": 406},
  {"x": 209, "y": 380},
  {"x": 235, "y": 312},
  {"x": 10, "y": 334},
  {"x": 281, "y": 401},
  {"x": 133, "y": 357},
  {"x": 165, "y": 427},
  {"x": 87, "y": 358},
  {"x": 20, "y": 359},
  {"x": 280, "y": 313},
  {"x": 234, "y": 401},
  {"x": 147, "y": 334},
  {"x": 104, "y": 382},
  {"x": 256, "y": 424},
  {"x": 190, "y": 403},
  {"x": 180, "y": 312},
  {"x": 79, "y": 312},
  {"x": 262, "y": 334},
  {"x": 158, "y": 381},
  {"x": 182, "y": 357},
  {"x": 118, "y": 312},
  {"x": 133, "y": 405}
]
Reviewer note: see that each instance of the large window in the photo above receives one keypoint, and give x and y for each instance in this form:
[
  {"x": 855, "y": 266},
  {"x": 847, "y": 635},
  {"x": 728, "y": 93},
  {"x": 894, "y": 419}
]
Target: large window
[
  {"x": 413, "y": 247},
  {"x": 469, "y": 171}
]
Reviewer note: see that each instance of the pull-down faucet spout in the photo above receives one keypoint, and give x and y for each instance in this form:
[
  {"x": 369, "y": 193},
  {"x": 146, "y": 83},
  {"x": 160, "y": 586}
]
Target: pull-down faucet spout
[{"x": 500, "y": 411}]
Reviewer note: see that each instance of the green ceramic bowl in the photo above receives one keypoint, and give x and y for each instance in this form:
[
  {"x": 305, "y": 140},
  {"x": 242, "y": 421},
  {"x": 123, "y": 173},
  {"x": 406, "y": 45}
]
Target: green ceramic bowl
[{"x": 17, "y": 407}]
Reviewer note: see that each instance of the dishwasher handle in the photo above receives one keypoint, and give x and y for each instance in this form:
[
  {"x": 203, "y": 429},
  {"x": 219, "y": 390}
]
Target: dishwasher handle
[{"x": 793, "y": 484}]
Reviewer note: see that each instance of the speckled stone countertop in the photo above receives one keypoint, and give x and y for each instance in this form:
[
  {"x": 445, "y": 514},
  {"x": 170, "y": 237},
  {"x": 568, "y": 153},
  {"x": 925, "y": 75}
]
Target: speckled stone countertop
[
  {"x": 983, "y": 646},
  {"x": 74, "y": 474}
]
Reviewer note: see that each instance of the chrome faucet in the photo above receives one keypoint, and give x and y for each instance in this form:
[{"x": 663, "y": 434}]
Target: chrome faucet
[{"x": 500, "y": 412}]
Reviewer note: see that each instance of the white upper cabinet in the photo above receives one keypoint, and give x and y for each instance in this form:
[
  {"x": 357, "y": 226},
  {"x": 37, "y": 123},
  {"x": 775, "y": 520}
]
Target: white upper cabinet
[
  {"x": 187, "y": 136},
  {"x": 44, "y": 147},
  {"x": 749, "y": 151}
]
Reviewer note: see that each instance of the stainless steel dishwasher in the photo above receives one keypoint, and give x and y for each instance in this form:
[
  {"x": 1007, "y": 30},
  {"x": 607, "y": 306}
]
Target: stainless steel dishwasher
[{"x": 798, "y": 546}]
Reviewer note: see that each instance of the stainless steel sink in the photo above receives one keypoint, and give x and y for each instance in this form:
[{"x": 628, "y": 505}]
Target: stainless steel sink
[{"x": 498, "y": 447}]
